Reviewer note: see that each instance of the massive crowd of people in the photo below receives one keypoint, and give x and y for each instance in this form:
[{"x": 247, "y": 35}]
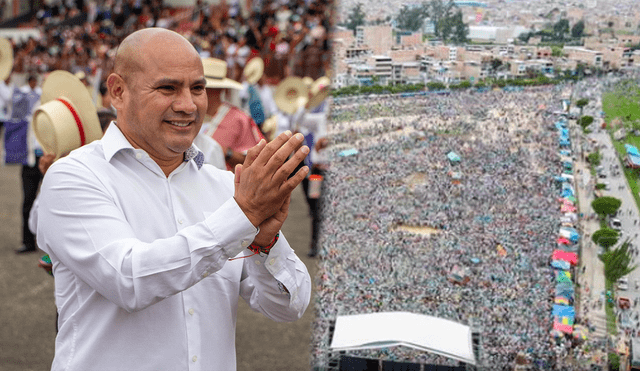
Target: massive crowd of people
[{"x": 495, "y": 221}]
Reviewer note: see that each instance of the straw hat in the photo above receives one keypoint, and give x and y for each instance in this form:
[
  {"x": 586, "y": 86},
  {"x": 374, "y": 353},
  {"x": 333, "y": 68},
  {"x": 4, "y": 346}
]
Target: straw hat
[
  {"x": 318, "y": 91},
  {"x": 66, "y": 118},
  {"x": 215, "y": 71},
  {"x": 269, "y": 127},
  {"x": 290, "y": 94},
  {"x": 6, "y": 58},
  {"x": 253, "y": 70},
  {"x": 307, "y": 81}
]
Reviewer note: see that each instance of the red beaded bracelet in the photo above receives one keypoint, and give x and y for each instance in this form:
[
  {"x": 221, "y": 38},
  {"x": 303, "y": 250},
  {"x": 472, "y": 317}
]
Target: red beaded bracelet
[
  {"x": 256, "y": 249},
  {"x": 265, "y": 250}
]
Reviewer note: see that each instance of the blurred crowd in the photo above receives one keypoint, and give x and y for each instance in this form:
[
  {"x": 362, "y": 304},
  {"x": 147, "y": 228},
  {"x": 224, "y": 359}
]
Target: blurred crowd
[{"x": 290, "y": 36}]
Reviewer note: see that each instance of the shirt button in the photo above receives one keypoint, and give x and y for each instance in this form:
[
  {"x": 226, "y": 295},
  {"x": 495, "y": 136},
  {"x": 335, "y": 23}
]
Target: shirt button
[
  {"x": 205, "y": 274},
  {"x": 180, "y": 221},
  {"x": 272, "y": 261},
  {"x": 138, "y": 155},
  {"x": 257, "y": 262},
  {"x": 195, "y": 358},
  {"x": 191, "y": 311},
  {"x": 245, "y": 243}
]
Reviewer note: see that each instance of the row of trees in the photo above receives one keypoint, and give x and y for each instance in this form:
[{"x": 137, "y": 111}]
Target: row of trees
[
  {"x": 558, "y": 32},
  {"x": 448, "y": 23},
  {"x": 617, "y": 262}
]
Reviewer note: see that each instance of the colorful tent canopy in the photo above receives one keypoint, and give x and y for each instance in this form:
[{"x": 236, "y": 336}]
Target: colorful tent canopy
[
  {"x": 566, "y": 201},
  {"x": 563, "y": 276},
  {"x": 453, "y": 157},
  {"x": 561, "y": 300},
  {"x": 567, "y": 329},
  {"x": 348, "y": 152},
  {"x": 632, "y": 150},
  {"x": 571, "y": 230},
  {"x": 633, "y": 160},
  {"x": 563, "y": 311},
  {"x": 566, "y": 256},
  {"x": 573, "y": 237},
  {"x": 565, "y": 289},
  {"x": 561, "y": 264}
]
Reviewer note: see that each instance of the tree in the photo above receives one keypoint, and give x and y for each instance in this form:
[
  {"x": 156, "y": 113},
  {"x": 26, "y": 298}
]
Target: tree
[
  {"x": 525, "y": 36},
  {"x": 411, "y": 18},
  {"x": 356, "y": 17},
  {"x": 585, "y": 121},
  {"x": 460, "y": 29},
  {"x": 606, "y": 205},
  {"x": 605, "y": 237},
  {"x": 495, "y": 64},
  {"x": 581, "y": 103},
  {"x": 617, "y": 262},
  {"x": 438, "y": 10},
  {"x": 560, "y": 29},
  {"x": 577, "y": 30},
  {"x": 594, "y": 158}
]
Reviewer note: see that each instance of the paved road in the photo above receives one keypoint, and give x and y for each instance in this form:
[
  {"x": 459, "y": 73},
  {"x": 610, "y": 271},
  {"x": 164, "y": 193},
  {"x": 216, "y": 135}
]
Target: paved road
[{"x": 593, "y": 276}]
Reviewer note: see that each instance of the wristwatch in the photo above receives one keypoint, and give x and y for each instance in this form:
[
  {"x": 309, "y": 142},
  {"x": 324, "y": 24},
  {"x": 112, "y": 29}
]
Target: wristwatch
[{"x": 228, "y": 154}]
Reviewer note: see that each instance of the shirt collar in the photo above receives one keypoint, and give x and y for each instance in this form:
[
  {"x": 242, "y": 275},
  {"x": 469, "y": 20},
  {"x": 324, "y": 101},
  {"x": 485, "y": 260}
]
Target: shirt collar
[{"x": 114, "y": 141}]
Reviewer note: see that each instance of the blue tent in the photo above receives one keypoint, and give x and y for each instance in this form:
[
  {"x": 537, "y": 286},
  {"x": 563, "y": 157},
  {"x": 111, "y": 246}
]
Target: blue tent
[
  {"x": 348, "y": 152},
  {"x": 633, "y": 160},
  {"x": 632, "y": 150},
  {"x": 563, "y": 311},
  {"x": 453, "y": 157},
  {"x": 565, "y": 289},
  {"x": 561, "y": 264}
]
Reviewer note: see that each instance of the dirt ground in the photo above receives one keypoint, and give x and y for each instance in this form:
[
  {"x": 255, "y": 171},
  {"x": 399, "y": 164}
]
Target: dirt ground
[{"x": 27, "y": 309}]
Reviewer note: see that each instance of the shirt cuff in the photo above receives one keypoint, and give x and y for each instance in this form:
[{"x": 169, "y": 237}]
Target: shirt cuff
[{"x": 232, "y": 228}]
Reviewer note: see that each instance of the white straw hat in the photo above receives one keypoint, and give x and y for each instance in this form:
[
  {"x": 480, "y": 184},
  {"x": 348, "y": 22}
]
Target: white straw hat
[
  {"x": 318, "y": 91},
  {"x": 290, "y": 94},
  {"x": 6, "y": 58},
  {"x": 67, "y": 118},
  {"x": 307, "y": 81},
  {"x": 215, "y": 71},
  {"x": 253, "y": 70}
]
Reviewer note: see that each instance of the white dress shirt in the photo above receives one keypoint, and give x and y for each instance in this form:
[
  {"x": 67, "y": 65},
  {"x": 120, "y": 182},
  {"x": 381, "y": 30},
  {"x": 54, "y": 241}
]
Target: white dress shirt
[
  {"x": 211, "y": 149},
  {"x": 143, "y": 279}
]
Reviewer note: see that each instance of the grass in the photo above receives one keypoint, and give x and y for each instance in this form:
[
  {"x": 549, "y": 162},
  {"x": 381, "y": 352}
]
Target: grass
[{"x": 624, "y": 103}]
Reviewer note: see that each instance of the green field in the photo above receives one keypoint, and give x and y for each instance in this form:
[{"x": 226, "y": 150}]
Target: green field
[{"x": 623, "y": 102}]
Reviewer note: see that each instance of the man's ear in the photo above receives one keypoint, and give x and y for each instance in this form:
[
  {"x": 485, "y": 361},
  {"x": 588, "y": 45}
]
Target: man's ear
[{"x": 117, "y": 87}]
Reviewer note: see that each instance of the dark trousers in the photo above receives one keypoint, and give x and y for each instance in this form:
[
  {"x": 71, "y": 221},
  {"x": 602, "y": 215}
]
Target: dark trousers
[
  {"x": 31, "y": 178},
  {"x": 314, "y": 210}
]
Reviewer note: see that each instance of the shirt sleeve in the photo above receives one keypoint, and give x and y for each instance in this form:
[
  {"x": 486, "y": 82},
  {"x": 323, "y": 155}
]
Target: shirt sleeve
[
  {"x": 82, "y": 227},
  {"x": 265, "y": 278}
]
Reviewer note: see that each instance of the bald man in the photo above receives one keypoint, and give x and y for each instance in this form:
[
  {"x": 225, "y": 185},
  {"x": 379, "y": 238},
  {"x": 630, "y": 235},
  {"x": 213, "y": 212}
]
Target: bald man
[{"x": 151, "y": 249}]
